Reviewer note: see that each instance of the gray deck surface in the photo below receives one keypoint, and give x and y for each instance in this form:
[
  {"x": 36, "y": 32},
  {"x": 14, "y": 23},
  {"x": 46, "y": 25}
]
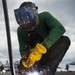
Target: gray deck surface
[{"x": 57, "y": 73}]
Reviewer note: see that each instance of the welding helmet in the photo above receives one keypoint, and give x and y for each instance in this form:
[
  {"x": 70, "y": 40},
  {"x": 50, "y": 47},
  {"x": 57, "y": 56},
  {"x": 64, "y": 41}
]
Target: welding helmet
[{"x": 25, "y": 18}]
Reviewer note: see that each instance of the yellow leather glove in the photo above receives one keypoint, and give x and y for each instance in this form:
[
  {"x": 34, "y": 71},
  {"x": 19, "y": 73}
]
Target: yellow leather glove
[{"x": 35, "y": 55}]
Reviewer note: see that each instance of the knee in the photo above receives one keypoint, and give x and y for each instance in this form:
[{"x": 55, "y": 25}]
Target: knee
[{"x": 68, "y": 41}]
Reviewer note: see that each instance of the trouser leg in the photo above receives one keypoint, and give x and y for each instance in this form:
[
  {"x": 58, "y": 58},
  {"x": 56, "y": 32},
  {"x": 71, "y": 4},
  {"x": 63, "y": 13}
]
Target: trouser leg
[{"x": 55, "y": 54}]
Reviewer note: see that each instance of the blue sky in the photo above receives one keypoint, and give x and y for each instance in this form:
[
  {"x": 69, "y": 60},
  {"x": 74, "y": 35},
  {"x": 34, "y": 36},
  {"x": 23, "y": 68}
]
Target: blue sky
[{"x": 63, "y": 10}]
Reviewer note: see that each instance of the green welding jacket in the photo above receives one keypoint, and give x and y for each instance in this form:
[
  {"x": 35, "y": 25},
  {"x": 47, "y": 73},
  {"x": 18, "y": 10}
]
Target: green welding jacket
[{"x": 49, "y": 31}]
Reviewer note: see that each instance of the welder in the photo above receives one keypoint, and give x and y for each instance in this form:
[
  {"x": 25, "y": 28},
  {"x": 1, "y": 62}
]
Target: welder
[{"x": 41, "y": 38}]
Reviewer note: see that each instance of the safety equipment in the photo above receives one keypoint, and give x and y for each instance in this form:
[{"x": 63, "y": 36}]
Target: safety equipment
[
  {"x": 25, "y": 16},
  {"x": 35, "y": 55}
]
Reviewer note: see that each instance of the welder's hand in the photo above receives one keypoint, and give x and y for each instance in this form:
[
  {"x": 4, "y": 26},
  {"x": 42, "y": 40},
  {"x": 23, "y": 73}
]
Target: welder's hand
[{"x": 35, "y": 55}]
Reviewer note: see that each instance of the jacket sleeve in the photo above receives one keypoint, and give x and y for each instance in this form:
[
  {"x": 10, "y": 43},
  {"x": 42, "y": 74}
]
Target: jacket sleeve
[
  {"x": 23, "y": 47},
  {"x": 56, "y": 30}
]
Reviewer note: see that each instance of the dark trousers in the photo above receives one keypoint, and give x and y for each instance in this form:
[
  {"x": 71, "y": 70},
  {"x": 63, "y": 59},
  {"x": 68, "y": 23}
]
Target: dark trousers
[{"x": 55, "y": 54}]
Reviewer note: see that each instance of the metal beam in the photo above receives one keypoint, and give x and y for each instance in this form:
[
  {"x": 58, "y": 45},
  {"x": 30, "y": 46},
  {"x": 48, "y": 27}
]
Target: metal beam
[{"x": 8, "y": 35}]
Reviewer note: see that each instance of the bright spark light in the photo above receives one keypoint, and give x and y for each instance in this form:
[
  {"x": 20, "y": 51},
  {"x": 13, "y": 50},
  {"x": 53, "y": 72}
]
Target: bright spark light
[{"x": 33, "y": 73}]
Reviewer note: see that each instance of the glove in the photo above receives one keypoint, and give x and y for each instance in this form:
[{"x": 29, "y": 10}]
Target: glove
[{"x": 35, "y": 55}]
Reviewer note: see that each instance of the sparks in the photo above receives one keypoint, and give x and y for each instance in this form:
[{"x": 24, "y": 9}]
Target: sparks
[{"x": 33, "y": 73}]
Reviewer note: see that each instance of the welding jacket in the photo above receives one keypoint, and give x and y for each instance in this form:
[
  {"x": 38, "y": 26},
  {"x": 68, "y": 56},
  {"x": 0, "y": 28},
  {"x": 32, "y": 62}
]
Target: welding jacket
[{"x": 49, "y": 30}]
